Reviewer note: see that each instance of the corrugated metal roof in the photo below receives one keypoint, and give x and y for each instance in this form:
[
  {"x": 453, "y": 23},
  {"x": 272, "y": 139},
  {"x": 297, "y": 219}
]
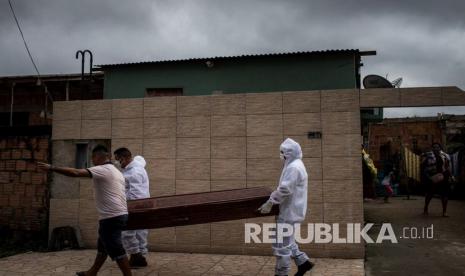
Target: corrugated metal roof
[{"x": 304, "y": 53}]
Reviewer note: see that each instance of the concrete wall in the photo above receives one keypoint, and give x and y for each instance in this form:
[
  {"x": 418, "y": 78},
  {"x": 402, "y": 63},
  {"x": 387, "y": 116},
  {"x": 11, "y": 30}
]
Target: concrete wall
[{"x": 209, "y": 143}]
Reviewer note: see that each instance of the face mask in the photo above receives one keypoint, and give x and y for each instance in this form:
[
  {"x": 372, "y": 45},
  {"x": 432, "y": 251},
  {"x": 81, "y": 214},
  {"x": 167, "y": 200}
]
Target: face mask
[
  {"x": 281, "y": 156},
  {"x": 117, "y": 163}
]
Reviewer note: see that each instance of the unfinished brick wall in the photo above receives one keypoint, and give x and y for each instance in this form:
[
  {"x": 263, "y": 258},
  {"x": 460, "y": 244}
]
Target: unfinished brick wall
[
  {"x": 208, "y": 143},
  {"x": 23, "y": 189}
]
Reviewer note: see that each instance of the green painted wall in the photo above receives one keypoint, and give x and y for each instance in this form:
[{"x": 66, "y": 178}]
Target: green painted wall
[{"x": 235, "y": 75}]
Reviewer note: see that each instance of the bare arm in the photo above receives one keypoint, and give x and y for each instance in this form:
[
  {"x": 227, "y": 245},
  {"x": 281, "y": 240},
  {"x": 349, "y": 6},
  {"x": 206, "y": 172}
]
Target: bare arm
[{"x": 72, "y": 172}]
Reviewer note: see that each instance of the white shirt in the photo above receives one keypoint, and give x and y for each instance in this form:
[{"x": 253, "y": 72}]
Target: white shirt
[{"x": 109, "y": 191}]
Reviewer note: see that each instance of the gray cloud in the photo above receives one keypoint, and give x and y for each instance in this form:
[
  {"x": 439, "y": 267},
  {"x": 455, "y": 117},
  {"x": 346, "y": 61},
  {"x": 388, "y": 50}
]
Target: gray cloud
[{"x": 422, "y": 41}]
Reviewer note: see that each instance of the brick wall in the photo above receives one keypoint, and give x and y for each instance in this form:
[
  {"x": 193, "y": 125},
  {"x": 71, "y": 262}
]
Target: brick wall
[
  {"x": 208, "y": 143},
  {"x": 23, "y": 189},
  {"x": 416, "y": 136}
]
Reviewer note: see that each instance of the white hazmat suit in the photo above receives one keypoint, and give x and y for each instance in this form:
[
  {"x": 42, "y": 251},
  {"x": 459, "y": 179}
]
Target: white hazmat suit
[
  {"x": 137, "y": 187},
  {"x": 291, "y": 195}
]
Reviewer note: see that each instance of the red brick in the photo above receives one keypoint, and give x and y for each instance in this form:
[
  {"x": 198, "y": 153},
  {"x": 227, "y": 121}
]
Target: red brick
[
  {"x": 33, "y": 142},
  {"x": 14, "y": 200},
  {"x": 12, "y": 142},
  {"x": 19, "y": 189},
  {"x": 43, "y": 143},
  {"x": 40, "y": 190},
  {"x": 5, "y": 154},
  {"x": 14, "y": 177},
  {"x": 39, "y": 155},
  {"x": 26, "y": 177},
  {"x": 25, "y": 202},
  {"x": 3, "y": 143},
  {"x": 4, "y": 177},
  {"x": 22, "y": 144},
  {"x": 38, "y": 178},
  {"x": 7, "y": 188},
  {"x": 26, "y": 154},
  {"x": 21, "y": 165},
  {"x": 32, "y": 166},
  {"x": 3, "y": 200},
  {"x": 30, "y": 191},
  {"x": 10, "y": 165},
  {"x": 37, "y": 202},
  {"x": 16, "y": 154},
  {"x": 2, "y": 165}
]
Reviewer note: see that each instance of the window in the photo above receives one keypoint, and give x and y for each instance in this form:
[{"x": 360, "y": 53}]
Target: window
[
  {"x": 163, "y": 92},
  {"x": 81, "y": 155}
]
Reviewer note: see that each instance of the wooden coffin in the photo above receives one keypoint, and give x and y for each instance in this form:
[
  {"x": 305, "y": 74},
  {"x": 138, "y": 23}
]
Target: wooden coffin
[{"x": 187, "y": 209}]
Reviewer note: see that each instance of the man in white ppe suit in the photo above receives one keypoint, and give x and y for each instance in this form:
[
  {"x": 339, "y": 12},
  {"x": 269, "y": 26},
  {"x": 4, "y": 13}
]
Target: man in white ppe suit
[
  {"x": 291, "y": 195},
  {"x": 137, "y": 187}
]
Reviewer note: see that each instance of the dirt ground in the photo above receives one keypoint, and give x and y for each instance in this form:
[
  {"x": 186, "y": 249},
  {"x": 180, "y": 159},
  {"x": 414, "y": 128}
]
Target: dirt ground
[{"x": 442, "y": 255}]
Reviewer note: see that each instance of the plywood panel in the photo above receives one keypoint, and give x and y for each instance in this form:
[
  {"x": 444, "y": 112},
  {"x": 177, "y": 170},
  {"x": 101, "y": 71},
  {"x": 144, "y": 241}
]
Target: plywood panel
[
  {"x": 420, "y": 96},
  {"x": 66, "y": 129},
  {"x": 159, "y": 127},
  {"x": 160, "y": 107},
  {"x": 134, "y": 145},
  {"x": 264, "y": 103},
  {"x": 380, "y": 97},
  {"x": 197, "y": 126},
  {"x": 96, "y": 109},
  {"x": 188, "y": 169},
  {"x": 126, "y": 128},
  {"x": 228, "y": 104},
  {"x": 127, "y": 108},
  {"x": 341, "y": 168},
  {"x": 264, "y": 125},
  {"x": 228, "y": 147},
  {"x": 96, "y": 129},
  {"x": 67, "y": 110},
  {"x": 228, "y": 169},
  {"x": 342, "y": 144},
  {"x": 193, "y": 148},
  {"x": 339, "y": 100},
  {"x": 193, "y": 106},
  {"x": 160, "y": 148},
  {"x": 301, "y": 102},
  {"x": 341, "y": 122},
  {"x": 228, "y": 125},
  {"x": 301, "y": 123},
  {"x": 263, "y": 146}
]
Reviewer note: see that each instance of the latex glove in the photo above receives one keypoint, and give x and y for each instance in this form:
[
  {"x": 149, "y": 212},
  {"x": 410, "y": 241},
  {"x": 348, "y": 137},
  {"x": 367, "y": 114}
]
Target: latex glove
[{"x": 266, "y": 207}]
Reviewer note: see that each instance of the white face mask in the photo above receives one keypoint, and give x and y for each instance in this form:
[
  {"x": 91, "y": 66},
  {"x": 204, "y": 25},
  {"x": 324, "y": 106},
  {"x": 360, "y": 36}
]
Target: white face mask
[
  {"x": 281, "y": 156},
  {"x": 117, "y": 164}
]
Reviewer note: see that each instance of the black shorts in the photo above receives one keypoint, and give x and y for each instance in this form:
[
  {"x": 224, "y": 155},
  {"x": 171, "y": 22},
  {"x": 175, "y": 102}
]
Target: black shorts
[
  {"x": 109, "y": 237},
  {"x": 442, "y": 188}
]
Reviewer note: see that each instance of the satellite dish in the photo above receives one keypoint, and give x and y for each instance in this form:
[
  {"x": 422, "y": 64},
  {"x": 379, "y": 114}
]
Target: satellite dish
[
  {"x": 397, "y": 82},
  {"x": 375, "y": 81}
]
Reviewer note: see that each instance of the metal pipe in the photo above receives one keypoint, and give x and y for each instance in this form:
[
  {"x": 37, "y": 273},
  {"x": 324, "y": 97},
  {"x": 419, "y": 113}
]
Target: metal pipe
[
  {"x": 12, "y": 102},
  {"x": 67, "y": 90},
  {"x": 91, "y": 61},
  {"x": 46, "y": 104}
]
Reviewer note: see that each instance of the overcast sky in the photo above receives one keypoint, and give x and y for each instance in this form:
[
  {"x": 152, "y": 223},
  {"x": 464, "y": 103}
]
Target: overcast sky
[{"x": 422, "y": 41}]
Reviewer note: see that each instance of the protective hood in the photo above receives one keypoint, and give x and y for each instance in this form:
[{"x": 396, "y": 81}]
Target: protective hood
[
  {"x": 291, "y": 150},
  {"x": 137, "y": 161}
]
